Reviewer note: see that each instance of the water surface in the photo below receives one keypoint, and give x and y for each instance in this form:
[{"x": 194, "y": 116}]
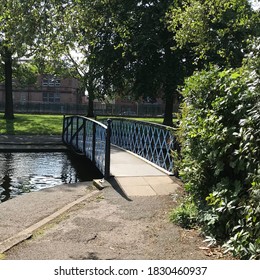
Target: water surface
[{"x": 25, "y": 172}]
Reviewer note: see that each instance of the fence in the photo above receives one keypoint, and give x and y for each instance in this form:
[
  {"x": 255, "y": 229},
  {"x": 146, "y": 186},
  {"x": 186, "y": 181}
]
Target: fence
[
  {"x": 48, "y": 108},
  {"x": 90, "y": 138},
  {"x": 100, "y": 109}
]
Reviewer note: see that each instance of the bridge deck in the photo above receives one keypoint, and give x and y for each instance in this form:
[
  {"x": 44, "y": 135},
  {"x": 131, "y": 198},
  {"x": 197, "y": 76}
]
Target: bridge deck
[{"x": 137, "y": 177}]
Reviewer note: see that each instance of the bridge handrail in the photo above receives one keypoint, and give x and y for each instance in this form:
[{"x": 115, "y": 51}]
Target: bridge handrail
[
  {"x": 90, "y": 138},
  {"x": 154, "y": 142}
]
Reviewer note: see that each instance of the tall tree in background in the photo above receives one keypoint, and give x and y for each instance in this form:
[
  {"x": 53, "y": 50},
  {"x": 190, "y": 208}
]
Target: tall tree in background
[
  {"x": 217, "y": 31},
  {"x": 141, "y": 50},
  {"x": 77, "y": 25},
  {"x": 151, "y": 66},
  {"x": 127, "y": 49},
  {"x": 23, "y": 27}
]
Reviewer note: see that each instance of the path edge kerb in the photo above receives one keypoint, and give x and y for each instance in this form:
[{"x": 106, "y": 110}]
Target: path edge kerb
[{"x": 21, "y": 236}]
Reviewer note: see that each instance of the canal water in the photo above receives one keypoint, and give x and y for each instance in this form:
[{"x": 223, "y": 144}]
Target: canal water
[{"x": 26, "y": 172}]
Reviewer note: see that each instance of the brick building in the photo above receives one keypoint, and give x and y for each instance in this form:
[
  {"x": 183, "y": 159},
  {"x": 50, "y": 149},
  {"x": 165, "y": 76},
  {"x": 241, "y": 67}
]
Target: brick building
[
  {"x": 57, "y": 94},
  {"x": 52, "y": 94}
]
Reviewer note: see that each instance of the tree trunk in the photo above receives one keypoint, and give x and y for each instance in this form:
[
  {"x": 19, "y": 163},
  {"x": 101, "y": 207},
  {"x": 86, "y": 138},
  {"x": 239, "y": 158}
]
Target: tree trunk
[
  {"x": 90, "y": 105},
  {"x": 8, "y": 72},
  {"x": 91, "y": 97},
  {"x": 168, "y": 110},
  {"x": 170, "y": 83}
]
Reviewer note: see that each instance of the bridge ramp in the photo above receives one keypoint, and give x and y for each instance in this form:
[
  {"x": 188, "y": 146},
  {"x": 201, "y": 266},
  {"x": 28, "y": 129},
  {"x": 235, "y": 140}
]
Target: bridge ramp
[{"x": 138, "y": 177}]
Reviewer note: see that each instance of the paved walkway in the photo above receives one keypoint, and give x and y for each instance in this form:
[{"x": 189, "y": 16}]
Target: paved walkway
[
  {"x": 138, "y": 177},
  {"x": 22, "y": 216}
]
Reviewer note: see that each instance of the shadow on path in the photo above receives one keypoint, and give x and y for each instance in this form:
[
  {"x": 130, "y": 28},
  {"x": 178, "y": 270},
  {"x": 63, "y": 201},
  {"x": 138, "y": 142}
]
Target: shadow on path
[{"x": 118, "y": 188}]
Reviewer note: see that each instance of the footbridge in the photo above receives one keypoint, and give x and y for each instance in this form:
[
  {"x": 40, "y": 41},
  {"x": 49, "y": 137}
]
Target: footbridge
[{"x": 99, "y": 140}]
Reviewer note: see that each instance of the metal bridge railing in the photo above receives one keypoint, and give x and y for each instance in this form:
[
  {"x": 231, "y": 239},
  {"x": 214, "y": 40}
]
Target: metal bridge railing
[
  {"x": 151, "y": 141},
  {"x": 90, "y": 138}
]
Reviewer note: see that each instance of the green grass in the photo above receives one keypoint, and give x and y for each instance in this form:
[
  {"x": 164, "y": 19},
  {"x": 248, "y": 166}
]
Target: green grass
[
  {"x": 186, "y": 214},
  {"x": 25, "y": 124},
  {"x": 148, "y": 119},
  {"x": 30, "y": 124}
]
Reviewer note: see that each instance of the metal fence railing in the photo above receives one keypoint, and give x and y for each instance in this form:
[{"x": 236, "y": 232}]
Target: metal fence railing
[
  {"x": 151, "y": 141},
  {"x": 90, "y": 138},
  {"x": 47, "y": 108}
]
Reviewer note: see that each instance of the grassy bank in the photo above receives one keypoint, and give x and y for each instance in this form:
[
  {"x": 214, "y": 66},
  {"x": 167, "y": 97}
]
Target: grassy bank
[
  {"x": 43, "y": 124},
  {"x": 152, "y": 120},
  {"x": 32, "y": 125}
]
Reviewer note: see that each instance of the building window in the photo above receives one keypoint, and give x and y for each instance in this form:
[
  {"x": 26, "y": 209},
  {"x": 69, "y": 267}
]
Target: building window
[
  {"x": 51, "y": 97},
  {"x": 51, "y": 82},
  {"x": 45, "y": 82}
]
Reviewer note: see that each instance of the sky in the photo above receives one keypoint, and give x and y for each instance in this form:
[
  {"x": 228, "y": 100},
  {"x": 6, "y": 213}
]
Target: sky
[{"x": 255, "y": 3}]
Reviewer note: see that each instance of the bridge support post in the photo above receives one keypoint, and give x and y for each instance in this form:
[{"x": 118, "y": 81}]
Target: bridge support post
[
  {"x": 107, "y": 157},
  {"x": 94, "y": 143}
]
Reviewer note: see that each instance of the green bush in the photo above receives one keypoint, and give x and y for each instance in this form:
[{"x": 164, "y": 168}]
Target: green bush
[
  {"x": 219, "y": 134},
  {"x": 185, "y": 215}
]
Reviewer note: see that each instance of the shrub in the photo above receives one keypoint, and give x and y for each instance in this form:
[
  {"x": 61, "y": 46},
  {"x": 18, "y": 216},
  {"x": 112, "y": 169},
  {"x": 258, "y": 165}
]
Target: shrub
[
  {"x": 186, "y": 214},
  {"x": 219, "y": 134}
]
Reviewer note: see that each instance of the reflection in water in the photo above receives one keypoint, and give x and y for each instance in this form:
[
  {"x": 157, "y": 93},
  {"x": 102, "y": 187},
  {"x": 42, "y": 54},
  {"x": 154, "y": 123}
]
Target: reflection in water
[
  {"x": 6, "y": 185},
  {"x": 26, "y": 172}
]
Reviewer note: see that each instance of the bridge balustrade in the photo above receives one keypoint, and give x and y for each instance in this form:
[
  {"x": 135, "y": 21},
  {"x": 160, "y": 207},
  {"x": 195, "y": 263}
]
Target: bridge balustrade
[
  {"x": 90, "y": 138},
  {"x": 153, "y": 142}
]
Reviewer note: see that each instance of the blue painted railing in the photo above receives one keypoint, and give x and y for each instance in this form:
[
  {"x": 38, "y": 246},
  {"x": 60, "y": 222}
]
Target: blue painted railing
[
  {"x": 90, "y": 138},
  {"x": 153, "y": 142}
]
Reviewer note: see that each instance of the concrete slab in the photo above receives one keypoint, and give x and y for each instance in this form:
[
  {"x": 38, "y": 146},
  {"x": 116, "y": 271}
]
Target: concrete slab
[
  {"x": 20, "y": 143},
  {"x": 131, "y": 181},
  {"x": 124, "y": 163},
  {"x": 146, "y": 186},
  {"x": 133, "y": 170},
  {"x": 138, "y": 190},
  {"x": 158, "y": 180},
  {"x": 165, "y": 189}
]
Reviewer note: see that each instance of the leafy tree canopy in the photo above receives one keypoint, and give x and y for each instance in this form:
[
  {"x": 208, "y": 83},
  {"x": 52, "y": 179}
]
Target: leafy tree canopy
[
  {"x": 217, "y": 30},
  {"x": 24, "y": 29}
]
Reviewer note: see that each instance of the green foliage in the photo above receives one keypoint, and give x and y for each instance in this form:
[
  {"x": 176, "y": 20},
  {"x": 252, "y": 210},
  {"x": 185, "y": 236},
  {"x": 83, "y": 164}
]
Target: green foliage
[
  {"x": 220, "y": 137},
  {"x": 26, "y": 74},
  {"x": 216, "y": 30},
  {"x": 186, "y": 214}
]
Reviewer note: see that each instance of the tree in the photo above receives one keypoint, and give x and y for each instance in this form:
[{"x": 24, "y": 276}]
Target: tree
[
  {"x": 151, "y": 67},
  {"x": 218, "y": 31},
  {"x": 72, "y": 50},
  {"x": 24, "y": 25},
  {"x": 127, "y": 49}
]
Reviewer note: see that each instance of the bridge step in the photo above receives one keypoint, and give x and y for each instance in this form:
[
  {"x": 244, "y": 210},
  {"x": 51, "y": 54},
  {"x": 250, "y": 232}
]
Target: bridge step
[{"x": 141, "y": 186}]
